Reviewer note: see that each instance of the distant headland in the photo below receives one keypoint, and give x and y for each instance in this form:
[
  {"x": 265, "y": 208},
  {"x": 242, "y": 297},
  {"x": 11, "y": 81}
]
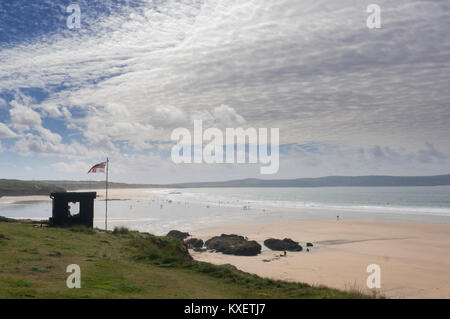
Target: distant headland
[{"x": 12, "y": 187}]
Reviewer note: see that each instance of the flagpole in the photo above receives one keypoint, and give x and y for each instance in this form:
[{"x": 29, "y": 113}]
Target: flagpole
[{"x": 106, "y": 201}]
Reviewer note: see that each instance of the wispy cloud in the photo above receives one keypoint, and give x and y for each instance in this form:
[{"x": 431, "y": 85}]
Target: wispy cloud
[{"x": 137, "y": 70}]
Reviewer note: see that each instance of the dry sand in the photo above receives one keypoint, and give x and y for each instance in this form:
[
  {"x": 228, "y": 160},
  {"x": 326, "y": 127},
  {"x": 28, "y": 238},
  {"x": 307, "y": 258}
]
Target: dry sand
[
  {"x": 414, "y": 257},
  {"x": 15, "y": 199}
]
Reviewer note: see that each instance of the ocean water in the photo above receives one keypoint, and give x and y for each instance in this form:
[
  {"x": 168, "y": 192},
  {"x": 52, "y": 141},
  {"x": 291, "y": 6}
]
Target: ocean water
[
  {"x": 428, "y": 200},
  {"x": 196, "y": 208}
]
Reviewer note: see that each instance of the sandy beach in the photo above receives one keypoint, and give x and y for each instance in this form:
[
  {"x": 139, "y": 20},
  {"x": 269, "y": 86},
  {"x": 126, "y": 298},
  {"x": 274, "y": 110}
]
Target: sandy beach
[
  {"x": 414, "y": 257},
  {"x": 113, "y": 194}
]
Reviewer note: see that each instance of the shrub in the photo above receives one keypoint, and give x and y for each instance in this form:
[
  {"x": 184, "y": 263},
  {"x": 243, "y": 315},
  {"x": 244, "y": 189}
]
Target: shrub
[
  {"x": 121, "y": 230},
  {"x": 7, "y": 220},
  {"x": 160, "y": 250}
]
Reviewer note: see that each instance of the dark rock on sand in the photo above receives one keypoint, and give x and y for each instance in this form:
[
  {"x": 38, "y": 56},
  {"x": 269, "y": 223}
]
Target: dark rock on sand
[
  {"x": 178, "y": 234},
  {"x": 285, "y": 244},
  {"x": 233, "y": 245},
  {"x": 193, "y": 243}
]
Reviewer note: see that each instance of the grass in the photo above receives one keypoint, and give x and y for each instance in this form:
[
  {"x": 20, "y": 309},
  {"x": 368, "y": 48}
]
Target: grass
[
  {"x": 121, "y": 231},
  {"x": 125, "y": 264},
  {"x": 82, "y": 229}
]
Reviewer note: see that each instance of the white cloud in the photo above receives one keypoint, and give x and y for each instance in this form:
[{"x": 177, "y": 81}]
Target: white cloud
[
  {"x": 74, "y": 167},
  {"x": 29, "y": 144},
  {"x": 49, "y": 135},
  {"x": 23, "y": 117},
  {"x": 101, "y": 142},
  {"x": 5, "y": 131},
  {"x": 227, "y": 116}
]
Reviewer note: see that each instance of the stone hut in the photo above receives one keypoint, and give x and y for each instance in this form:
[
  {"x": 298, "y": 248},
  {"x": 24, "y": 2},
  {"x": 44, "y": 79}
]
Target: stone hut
[{"x": 61, "y": 215}]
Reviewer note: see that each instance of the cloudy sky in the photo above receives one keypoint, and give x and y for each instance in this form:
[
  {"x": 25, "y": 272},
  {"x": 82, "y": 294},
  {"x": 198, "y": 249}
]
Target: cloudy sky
[{"x": 348, "y": 100}]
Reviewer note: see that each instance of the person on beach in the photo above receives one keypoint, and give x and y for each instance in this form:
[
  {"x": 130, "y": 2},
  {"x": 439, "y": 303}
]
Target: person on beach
[{"x": 337, "y": 218}]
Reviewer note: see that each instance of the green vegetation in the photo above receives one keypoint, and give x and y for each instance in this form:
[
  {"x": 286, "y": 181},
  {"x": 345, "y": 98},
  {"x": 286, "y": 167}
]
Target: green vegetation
[
  {"x": 14, "y": 187},
  {"x": 126, "y": 264},
  {"x": 121, "y": 231}
]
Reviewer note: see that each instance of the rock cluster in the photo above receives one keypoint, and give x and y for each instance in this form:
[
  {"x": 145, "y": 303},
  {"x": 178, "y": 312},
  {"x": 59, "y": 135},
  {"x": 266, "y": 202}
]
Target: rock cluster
[
  {"x": 177, "y": 234},
  {"x": 193, "y": 243},
  {"x": 233, "y": 245},
  {"x": 285, "y": 244}
]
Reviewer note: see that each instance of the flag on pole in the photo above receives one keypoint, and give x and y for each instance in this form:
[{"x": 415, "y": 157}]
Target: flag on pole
[{"x": 98, "y": 168}]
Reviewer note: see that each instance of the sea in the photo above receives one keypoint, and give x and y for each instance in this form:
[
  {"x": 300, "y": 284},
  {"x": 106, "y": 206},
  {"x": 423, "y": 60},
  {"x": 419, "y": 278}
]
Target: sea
[{"x": 191, "y": 209}]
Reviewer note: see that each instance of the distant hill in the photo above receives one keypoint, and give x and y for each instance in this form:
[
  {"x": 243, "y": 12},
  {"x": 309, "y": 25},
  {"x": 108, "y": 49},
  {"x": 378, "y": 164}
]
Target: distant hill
[
  {"x": 76, "y": 185},
  {"x": 10, "y": 187},
  {"x": 14, "y": 187},
  {"x": 329, "y": 181}
]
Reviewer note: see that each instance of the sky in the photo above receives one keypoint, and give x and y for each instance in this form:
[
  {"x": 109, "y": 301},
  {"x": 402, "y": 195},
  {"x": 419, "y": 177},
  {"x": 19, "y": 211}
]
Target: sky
[{"x": 347, "y": 99}]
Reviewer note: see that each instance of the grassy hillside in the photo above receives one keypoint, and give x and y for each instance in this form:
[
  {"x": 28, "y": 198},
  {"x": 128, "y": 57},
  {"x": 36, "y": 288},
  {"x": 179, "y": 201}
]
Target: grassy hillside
[
  {"x": 13, "y": 187},
  {"x": 124, "y": 265}
]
